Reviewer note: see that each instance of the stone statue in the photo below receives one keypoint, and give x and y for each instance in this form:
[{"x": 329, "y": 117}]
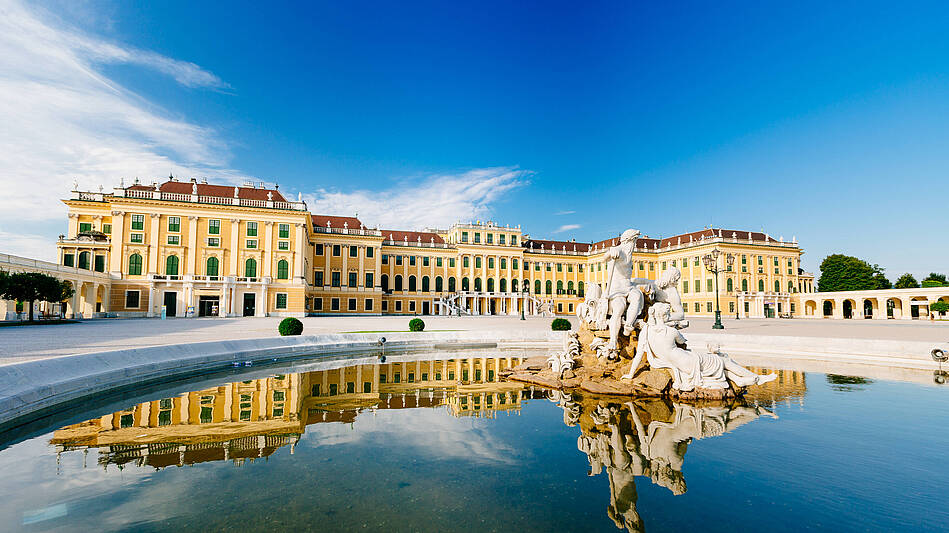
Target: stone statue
[
  {"x": 624, "y": 299},
  {"x": 664, "y": 347}
]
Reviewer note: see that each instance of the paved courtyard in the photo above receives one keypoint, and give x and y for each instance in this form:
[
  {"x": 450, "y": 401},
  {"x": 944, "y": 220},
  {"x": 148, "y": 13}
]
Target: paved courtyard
[{"x": 19, "y": 344}]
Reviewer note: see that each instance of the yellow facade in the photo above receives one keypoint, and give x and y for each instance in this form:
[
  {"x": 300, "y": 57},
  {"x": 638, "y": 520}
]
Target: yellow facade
[{"x": 245, "y": 251}]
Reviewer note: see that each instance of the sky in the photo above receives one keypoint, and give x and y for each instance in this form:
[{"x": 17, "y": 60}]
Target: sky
[{"x": 821, "y": 121}]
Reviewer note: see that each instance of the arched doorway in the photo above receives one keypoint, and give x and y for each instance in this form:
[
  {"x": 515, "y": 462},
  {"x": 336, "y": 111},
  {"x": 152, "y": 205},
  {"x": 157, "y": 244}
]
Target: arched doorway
[
  {"x": 867, "y": 309},
  {"x": 828, "y": 308},
  {"x": 848, "y": 309},
  {"x": 810, "y": 308}
]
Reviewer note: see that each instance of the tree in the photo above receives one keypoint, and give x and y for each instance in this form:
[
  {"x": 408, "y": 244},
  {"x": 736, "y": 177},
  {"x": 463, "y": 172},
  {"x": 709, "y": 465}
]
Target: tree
[
  {"x": 907, "y": 281},
  {"x": 939, "y": 307},
  {"x": 880, "y": 281},
  {"x": 935, "y": 280},
  {"x": 840, "y": 272},
  {"x": 32, "y": 286}
]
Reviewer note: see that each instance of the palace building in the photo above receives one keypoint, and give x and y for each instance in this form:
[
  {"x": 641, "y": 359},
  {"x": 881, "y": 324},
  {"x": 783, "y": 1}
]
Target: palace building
[{"x": 189, "y": 248}]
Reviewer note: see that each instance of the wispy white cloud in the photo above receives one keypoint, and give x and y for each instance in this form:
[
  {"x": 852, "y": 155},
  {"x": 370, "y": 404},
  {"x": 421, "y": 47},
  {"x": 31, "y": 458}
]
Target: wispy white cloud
[
  {"x": 431, "y": 201},
  {"x": 561, "y": 213},
  {"x": 567, "y": 227},
  {"x": 64, "y": 120}
]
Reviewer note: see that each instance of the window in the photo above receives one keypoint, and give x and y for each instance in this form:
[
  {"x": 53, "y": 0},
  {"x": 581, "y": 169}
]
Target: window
[
  {"x": 85, "y": 226},
  {"x": 438, "y": 284},
  {"x": 69, "y": 259},
  {"x": 514, "y": 263},
  {"x": 465, "y": 262},
  {"x": 318, "y": 278},
  {"x": 283, "y": 231},
  {"x": 385, "y": 259},
  {"x": 211, "y": 267},
  {"x": 425, "y": 284},
  {"x": 334, "y": 304},
  {"x": 503, "y": 263},
  {"x": 777, "y": 286},
  {"x": 490, "y": 238},
  {"x": 138, "y": 222},
  {"x": 336, "y": 250},
  {"x": 174, "y": 240},
  {"x": 559, "y": 287},
  {"x": 729, "y": 286},
  {"x": 214, "y": 227},
  {"x": 84, "y": 260},
  {"x": 174, "y": 224},
  {"x": 318, "y": 250},
  {"x": 251, "y": 229},
  {"x": 135, "y": 265},
  {"x": 353, "y": 251},
  {"x": 537, "y": 286},
  {"x": 335, "y": 280},
  {"x": 351, "y": 304},
  {"x": 252, "y": 243},
  {"x": 136, "y": 238},
  {"x": 559, "y": 267},
  {"x": 438, "y": 262},
  {"x": 513, "y": 240},
  {"x": 536, "y": 267},
  {"x": 283, "y": 269},
  {"x": 317, "y": 304},
  {"x": 398, "y": 306},
  {"x": 744, "y": 285},
  {"x": 250, "y": 268},
  {"x": 171, "y": 265},
  {"x": 107, "y": 229},
  {"x": 685, "y": 287},
  {"x": 569, "y": 268},
  {"x": 412, "y": 306},
  {"x": 697, "y": 286},
  {"x": 491, "y": 262},
  {"x": 283, "y": 245},
  {"x": 425, "y": 261},
  {"x": 370, "y": 252},
  {"x": 214, "y": 242},
  {"x": 281, "y": 300},
  {"x": 698, "y": 307},
  {"x": 464, "y": 236},
  {"x": 477, "y": 237},
  {"x": 132, "y": 299},
  {"x": 761, "y": 285},
  {"x": 478, "y": 262},
  {"x": 451, "y": 284},
  {"x": 451, "y": 262},
  {"x": 368, "y": 304},
  {"x": 398, "y": 282},
  {"x": 369, "y": 280},
  {"x": 411, "y": 260},
  {"x": 398, "y": 260},
  {"x": 353, "y": 279},
  {"x": 731, "y": 307},
  {"x": 548, "y": 266},
  {"x": 708, "y": 285},
  {"x": 464, "y": 284},
  {"x": 708, "y": 307}
]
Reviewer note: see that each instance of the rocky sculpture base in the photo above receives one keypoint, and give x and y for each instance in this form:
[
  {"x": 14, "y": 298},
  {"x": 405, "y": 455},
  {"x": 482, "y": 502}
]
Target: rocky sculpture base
[{"x": 598, "y": 375}]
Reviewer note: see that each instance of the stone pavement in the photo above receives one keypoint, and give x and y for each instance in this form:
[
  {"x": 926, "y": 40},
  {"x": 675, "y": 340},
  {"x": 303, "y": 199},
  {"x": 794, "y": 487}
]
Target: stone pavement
[{"x": 18, "y": 344}]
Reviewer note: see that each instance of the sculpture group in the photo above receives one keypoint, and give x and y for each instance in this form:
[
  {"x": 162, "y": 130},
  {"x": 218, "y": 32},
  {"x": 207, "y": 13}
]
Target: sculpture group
[{"x": 639, "y": 320}]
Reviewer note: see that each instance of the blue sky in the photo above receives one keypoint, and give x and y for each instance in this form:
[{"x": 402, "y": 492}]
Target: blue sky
[{"x": 824, "y": 121}]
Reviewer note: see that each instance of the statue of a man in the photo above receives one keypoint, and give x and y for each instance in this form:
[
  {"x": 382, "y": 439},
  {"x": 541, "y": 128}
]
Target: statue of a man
[{"x": 625, "y": 299}]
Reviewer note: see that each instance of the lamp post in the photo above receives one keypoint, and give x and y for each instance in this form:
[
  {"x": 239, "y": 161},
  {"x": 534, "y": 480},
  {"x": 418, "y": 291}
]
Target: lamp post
[
  {"x": 711, "y": 264},
  {"x": 525, "y": 288}
]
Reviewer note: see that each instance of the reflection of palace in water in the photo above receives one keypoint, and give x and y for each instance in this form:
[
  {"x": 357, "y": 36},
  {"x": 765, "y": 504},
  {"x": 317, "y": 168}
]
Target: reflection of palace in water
[
  {"x": 252, "y": 419},
  {"x": 649, "y": 437}
]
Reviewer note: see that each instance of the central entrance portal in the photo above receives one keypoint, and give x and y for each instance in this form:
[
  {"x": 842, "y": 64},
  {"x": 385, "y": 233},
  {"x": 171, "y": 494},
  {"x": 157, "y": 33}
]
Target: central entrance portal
[
  {"x": 250, "y": 304},
  {"x": 208, "y": 306}
]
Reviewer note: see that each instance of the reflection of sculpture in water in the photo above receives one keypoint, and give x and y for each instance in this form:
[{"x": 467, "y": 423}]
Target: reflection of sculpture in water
[{"x": 649, "y": 438}]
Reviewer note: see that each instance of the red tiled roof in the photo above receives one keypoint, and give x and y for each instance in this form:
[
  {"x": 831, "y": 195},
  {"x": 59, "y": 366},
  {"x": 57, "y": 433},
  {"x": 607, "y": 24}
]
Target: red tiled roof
[
  {"x": 336, "y": 222},
  {"x": 220, "y": 191},
  {"x": 559, "y": 245},
  {"x": 684, "y": 238},
  {"x": 411, "y": 236}
]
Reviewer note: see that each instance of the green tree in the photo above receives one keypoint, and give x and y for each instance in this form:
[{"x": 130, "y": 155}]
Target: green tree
[
  {"x": 31, "y": 287},
  {"x": 935, "y": 280},
  {"x": 880, "y": 280},
  {"x": 907, "y": 281},
  {"x": 840, "y": 272},
  {"x": 939, "y": 307}
]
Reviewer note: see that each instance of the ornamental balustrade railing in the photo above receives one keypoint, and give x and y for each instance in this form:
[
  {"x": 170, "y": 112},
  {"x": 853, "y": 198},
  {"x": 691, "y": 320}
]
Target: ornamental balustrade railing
[
  {"x": 348, "y": 231},
  {"x": 417, "y": 244},
  {"x": 192, "y": 198}
]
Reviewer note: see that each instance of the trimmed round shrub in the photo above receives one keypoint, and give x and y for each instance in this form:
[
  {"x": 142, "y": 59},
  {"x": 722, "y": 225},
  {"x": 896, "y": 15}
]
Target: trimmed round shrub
[
  {"x": 290, "y": 326},
  {"x": 560, "y": 324},
  {"x": 416, "y": 324}
]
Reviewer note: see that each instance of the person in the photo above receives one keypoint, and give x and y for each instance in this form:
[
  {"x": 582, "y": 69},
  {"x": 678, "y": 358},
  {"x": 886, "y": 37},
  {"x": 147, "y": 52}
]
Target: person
[{"x": 625, "y": 300}]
